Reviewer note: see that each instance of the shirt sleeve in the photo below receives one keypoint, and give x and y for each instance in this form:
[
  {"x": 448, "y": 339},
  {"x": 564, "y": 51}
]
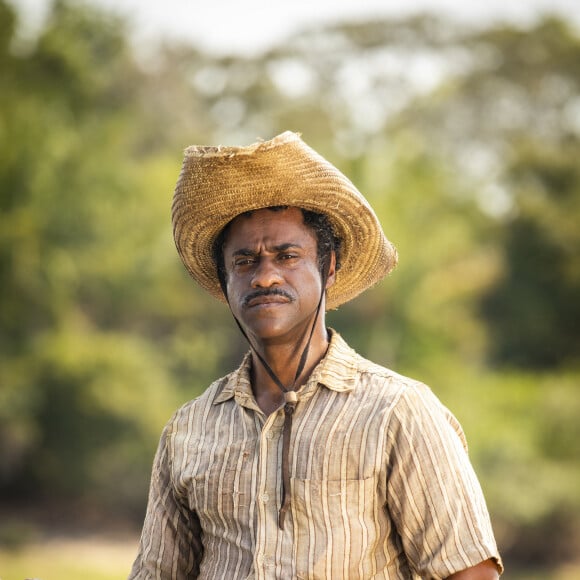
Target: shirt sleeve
[
  {"x": 171, "y": 545},
  {"x": 434, "y": 496}
]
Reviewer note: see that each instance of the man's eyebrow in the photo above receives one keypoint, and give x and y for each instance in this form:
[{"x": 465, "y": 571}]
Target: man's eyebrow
[
  {"x": 243, "y": 252},
  {"x": 287, "y": 246},
  {"x": 278, "y": 248}
]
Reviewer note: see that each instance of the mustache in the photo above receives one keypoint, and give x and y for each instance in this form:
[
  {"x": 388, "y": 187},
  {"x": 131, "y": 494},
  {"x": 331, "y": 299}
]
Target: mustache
[{"x": 267, "y": 292}]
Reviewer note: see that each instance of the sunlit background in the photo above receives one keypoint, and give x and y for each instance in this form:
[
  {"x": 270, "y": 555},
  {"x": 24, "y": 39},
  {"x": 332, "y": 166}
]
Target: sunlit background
[{"x": 461, "y": 124}]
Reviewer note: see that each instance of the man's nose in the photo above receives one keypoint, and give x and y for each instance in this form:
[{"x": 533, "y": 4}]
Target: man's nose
[{"x": 266, "y": 274}]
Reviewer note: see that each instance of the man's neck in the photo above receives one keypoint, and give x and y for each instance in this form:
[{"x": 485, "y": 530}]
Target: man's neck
[{"x": 283, "y": 360}]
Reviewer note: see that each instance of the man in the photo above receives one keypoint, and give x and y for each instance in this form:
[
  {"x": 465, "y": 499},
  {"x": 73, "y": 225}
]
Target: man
[{"x": 308, "y": 461}]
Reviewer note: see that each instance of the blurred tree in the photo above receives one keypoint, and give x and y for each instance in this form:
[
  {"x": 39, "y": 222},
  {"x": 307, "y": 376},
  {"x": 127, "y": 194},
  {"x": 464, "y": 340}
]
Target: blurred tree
[
  {"x": 94, "y": 309},
  {"x": 534, "y": 311},
  {"x": 465, "y": 142},
  {"x": 511, "y": 122}
]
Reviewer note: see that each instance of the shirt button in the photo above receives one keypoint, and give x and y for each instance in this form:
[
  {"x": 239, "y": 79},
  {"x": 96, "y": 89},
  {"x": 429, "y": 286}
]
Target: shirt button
[
  {"x": 265, "y": 497},
  {"x": 269, "y": 435}
]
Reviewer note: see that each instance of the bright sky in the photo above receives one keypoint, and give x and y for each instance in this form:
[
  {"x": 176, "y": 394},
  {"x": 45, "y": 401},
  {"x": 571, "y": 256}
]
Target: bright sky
[{"x": 249, "y": 26}]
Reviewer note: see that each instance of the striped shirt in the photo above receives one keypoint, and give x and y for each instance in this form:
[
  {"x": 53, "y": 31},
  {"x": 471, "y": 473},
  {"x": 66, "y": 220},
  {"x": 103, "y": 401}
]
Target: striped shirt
[{"x": 381, "y": 485}]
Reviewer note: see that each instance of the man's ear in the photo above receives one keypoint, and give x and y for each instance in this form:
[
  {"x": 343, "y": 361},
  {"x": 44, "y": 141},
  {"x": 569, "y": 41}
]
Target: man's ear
[{"x": 331, "y": 278}]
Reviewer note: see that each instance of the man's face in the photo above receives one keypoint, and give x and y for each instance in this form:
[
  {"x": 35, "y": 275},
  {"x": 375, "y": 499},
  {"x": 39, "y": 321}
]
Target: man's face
[{"x": 272, "y": 271}]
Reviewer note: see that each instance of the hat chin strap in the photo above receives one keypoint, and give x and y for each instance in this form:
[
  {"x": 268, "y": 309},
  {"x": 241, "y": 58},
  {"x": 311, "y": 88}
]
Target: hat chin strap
[{"x": 290, "y": 397}]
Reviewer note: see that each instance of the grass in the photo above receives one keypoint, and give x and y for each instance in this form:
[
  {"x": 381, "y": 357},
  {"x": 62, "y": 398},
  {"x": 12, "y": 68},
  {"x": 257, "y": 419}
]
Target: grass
[
  {"x": 89, "y": 558},
  {"x": 101, "y": 557}
]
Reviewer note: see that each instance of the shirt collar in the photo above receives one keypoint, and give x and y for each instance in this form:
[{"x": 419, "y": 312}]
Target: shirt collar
[{"x": 337, "y": 371}]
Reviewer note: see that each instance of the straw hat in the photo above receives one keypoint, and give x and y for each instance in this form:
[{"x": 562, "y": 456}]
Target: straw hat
[{"x": 217, "y": 184}]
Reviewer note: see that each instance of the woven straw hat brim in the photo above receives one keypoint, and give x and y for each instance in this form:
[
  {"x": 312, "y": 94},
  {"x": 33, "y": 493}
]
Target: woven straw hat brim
[{"x": 217, "y": 184}]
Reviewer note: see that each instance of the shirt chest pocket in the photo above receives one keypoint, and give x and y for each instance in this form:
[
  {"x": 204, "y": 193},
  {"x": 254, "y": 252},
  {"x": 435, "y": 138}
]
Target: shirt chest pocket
[
  {"x": 337, "y": 525},
  {"x": 325, "y": 499},
  {"x": 336, "y": 457}
]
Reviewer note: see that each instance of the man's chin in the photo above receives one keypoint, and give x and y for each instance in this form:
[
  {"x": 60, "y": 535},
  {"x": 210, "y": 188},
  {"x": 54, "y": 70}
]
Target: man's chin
[{"x": 265, "y": 328}]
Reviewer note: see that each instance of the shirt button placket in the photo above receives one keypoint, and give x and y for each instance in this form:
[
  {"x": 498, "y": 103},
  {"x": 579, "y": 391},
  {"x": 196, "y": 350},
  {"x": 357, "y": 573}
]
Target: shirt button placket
[{"x": 266, "y": 534}]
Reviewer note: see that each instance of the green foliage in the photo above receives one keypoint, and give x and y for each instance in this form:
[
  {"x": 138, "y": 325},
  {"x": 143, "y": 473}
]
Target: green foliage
[
  {"x": 93, "y": 306},
  {"x": 524, "y": 443},
  {"x": 534, "y": 312},
  {"x": 466, "y": 143}
]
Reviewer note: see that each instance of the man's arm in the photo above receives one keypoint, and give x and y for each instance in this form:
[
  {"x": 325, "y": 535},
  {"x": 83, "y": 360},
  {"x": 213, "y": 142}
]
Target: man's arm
[
  {"x": 433, "y": 496},
  {"x": 485, "y": 571},
  {"x": 171, "y": 546}
]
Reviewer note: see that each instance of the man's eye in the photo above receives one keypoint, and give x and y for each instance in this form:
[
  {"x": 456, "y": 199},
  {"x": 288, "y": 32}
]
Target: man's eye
[
  {"x": 288, "y": 256},
  {"x": 244, "y": 261}
]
